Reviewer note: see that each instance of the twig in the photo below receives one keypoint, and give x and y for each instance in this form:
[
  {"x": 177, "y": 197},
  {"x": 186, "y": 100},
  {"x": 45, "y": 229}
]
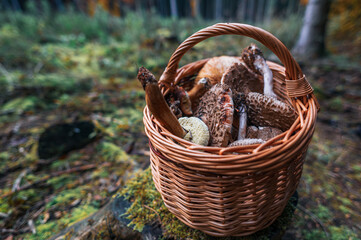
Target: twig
[
  {"x": 7, "y": 230},
  {"x": 3, "y": 215},
  {"x": 17, "y": 182},
  {"x": 38, "y": 67},
  {"x": 56, "y": 174},
  {"x": 152, "y": 209},
  {"x": 314, "y": 217},
  {"x": 32, "y": 226}
]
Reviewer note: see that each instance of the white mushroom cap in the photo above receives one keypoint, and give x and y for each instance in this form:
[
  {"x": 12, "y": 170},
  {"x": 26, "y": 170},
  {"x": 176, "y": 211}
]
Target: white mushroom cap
[{"x": 197, "y": 130}]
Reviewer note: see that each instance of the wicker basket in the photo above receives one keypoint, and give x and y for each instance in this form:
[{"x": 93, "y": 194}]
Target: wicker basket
[{"x": 232, "y": 191}]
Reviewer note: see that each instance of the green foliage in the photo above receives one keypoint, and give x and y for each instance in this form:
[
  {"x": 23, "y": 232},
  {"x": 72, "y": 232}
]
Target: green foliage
[
  {"x": 65, "y": 197},
  {"x": 342, "y": 233},
  {"x": 14, "y": 48},
  {"x": 323, "y": 213},
  {"x": 44, "y": 231},
  {"x": 22, "y": 104},
  {"x": 112, "y": 152},
  {"x": 315, "y": 234}
]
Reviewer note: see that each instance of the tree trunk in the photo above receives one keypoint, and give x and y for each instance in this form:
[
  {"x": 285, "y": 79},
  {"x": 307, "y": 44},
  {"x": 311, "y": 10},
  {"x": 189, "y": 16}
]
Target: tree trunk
[
  {"x": 218, "y": 10},
  {"x": 173, "y": 8},
  {"x": 311, "y": 42}
]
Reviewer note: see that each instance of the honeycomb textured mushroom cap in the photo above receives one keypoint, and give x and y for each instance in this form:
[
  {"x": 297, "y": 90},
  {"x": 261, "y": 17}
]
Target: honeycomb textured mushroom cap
[
  {"x": 197, "y": 130},
  {"x": 216, "y": 110},
  {"x": 269, "y": 112},
  {"x": 246, "y": 141},
  {"x": 264, "y": 133}
]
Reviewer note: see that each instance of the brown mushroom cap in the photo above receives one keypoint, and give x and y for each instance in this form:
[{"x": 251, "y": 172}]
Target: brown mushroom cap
[
  {"x": 179, "y": 102},
  {"x": 249, "y": 55},
  {"x": 216, "y": 110},
  {"x": 269, "y": 112},
  {"x": 214, "y": 69},
  {"x": 240, "y": 79},
  {"x": 264, "y": 133}
]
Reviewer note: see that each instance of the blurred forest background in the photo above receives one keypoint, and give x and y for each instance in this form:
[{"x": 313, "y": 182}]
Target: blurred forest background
[{"x": 75, "y": 62}]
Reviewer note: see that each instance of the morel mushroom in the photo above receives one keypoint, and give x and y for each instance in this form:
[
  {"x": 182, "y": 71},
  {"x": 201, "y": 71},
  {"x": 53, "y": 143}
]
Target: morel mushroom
[
  {"x": 253, "y": 57},
  {"x": 216, "y": 111},
  {"x": 262, "y": 110},
  {"x": 163, "y": 114},
  {"x": 264, "y": 133},
  {"x": 269, "y": 112}
]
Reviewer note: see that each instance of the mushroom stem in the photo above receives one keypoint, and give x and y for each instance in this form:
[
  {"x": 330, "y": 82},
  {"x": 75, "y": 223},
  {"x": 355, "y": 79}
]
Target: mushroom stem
[
  {"x": 263, "y": 68},
  {"x": 242, "y": 129},
  {"x": 157, "y": 104},
  {"x": 255, "y": 60},
  {"x": 202, "y": 86}
]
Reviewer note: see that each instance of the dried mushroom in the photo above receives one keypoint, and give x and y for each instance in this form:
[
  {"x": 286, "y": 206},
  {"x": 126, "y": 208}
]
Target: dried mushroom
[
  {"x": 179, "y": 102},
  {"x": 192, "y": 129},
  {"x": 216, "y": 111}
]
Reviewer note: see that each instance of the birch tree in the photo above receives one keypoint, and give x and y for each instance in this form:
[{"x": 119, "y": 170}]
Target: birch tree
[{"x": 311, "y": 42}]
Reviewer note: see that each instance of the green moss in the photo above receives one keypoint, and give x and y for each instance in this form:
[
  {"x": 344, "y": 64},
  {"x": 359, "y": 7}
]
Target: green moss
[
  {"x": 112, "y": 152},
  {"x": 60, "y": 181},
  {"x": 66, "y": 196},
  {"x": 4, "y": 206},
  {"x": 148, "y": 207},
  {"x": 77, "y": 214},
  {"x": 323, "y": 213},
  {"x": 44, "y": 231},
  {"x": 342, "y": 233},
  {"x": 22, "y": 104},
  {"x": 314, "y": 234}
]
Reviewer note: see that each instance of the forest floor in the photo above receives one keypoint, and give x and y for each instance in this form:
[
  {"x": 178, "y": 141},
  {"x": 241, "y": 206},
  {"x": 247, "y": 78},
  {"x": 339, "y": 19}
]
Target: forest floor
[{"x": 80, "y": 69}]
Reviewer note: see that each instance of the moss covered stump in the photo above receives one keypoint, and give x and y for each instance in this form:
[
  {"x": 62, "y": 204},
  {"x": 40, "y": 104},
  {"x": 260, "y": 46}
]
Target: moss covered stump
[{"x": 138, "y": 212}]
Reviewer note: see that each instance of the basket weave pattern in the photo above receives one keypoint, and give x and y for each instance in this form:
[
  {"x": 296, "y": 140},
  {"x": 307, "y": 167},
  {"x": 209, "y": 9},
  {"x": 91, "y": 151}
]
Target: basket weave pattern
[{"x": 234, "y": 191}]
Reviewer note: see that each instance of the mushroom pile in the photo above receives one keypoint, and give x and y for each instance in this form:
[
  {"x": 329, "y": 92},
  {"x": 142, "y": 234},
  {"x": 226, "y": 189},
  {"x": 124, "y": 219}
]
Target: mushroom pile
[{"x": 232, "y": 103}]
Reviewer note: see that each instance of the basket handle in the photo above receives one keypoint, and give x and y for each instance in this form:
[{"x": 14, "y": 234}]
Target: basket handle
[{"x": 297, "y": 86}]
